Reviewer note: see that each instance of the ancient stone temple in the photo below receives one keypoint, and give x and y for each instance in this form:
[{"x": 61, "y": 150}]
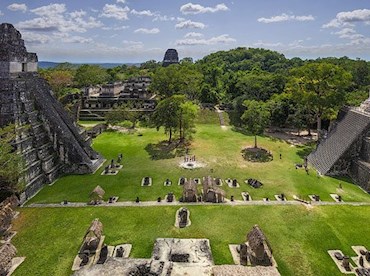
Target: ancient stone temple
[
  {"x": 346, "y": 149},
  {"x": 50, "y": 143},
  {"x": 170, "y": 57}
]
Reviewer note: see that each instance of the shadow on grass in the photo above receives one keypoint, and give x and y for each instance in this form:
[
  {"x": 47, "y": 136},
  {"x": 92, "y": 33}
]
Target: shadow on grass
[
  {"x": 244, "y": 132},
  {"x": 346, "y": 179},
  {"x": 257, "y": 155},
  {"x": 304, "y": 150},
  {"x": 165, "y": 150}
]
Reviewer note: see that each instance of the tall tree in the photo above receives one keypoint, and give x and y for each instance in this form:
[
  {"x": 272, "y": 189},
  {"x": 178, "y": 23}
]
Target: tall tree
[
  {"x": 123, "y": 113},
  {"x": 175, "y": 114},
  {"x": 188, "y": 113},
  {"x": 90, "y": 75},
  {"x": 177, "y": 79},
  {"x": 59, "y": 80},
  {"x": 320, "y": 87},
  {"x": 256, "y": 118}
]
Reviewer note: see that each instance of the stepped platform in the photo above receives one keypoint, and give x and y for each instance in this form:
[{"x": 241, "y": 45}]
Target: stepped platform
[{"x": 349, "y": 130}]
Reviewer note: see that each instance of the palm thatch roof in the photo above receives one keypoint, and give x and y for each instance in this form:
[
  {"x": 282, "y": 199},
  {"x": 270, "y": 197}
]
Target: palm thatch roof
[
  {"x": 219, "y": 191},
  {"x": 210, "y": 184},
  {"x": 98, "y": 191},
  {"x": 7, "y": 253},
  {"x": 190, "y": 185},
  {"x": 256, "y": 238},
  {"x": 96, "y": 228}
]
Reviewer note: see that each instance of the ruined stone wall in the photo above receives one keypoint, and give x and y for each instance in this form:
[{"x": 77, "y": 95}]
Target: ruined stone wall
[
  {"x": 360, "y": 173},
  {"x": 365, "y": 150},
  {"x": 342, "y": 166}
]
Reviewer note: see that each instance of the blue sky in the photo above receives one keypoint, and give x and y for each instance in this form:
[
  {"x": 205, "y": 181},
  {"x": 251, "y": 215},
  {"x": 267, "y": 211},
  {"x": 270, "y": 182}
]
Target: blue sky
[{"x": 141, "y": 30}]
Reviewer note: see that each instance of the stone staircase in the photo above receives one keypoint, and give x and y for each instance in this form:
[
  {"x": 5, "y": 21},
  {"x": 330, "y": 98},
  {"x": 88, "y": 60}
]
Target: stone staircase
[{"x": 346, "y": 132}]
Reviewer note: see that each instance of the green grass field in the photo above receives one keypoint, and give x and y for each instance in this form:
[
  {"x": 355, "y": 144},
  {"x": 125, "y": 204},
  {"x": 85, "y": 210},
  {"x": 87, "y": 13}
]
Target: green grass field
[
  {"x": 300, "y": 237},
  {"x": 219, "y": 149}
]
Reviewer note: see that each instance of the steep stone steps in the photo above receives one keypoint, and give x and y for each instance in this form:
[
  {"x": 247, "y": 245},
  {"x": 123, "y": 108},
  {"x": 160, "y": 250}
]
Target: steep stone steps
[{"x": 339, "y": 140}]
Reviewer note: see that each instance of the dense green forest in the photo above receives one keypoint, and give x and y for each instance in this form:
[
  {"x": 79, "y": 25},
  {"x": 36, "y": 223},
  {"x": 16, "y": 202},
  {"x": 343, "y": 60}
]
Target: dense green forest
[{"x": 298, "y": 93}]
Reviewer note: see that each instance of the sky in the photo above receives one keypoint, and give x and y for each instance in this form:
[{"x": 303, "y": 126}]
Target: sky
[{"x": 123, "y": 31}]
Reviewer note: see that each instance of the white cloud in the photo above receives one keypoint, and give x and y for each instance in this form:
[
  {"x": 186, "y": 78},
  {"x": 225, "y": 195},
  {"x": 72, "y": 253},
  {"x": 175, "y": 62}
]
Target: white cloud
[
  {"x": 76, "y": 14},
  {"x": 262, "y": 44},
  {"x": 77, "y": 39},
  {"x": 133, "y": 45},
  {"x": 147, "y": 31},
  {"x": 191, "y": 41},
  {"x": 285, "y": 17},
  {"x": 34, "y": 38},
  {"x": 191, "y": 8},
  {"x": 116, "y": 28},
  {"x": 144, "y": 12},
  {"x": 188, "y": 24},
  {"x": 1, "y": 13},
  {"x": 334, "y": 23},
  {"x": 347, "y": 19},
  {"x": 54, "y": 18},
  {"x": 121, "y": 1},
  {"x": 159, "y": 17},
  {"x": 114, "y": 11},
  {"x": 193, "y": 34},
  {"x": 59, "y": 23},
  {"x": 354, "y": 16},
  {"x": 50, "y": 10},
  {"x": 131, "y": 42},
  {"x": 349, "y": 33},
  {"x": 352, "y": 48},
  {"x": 18, "y": 7}
]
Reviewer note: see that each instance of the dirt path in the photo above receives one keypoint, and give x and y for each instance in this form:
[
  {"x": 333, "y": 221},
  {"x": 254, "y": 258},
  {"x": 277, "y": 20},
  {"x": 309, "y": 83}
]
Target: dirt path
[
  {"x": 221, "y": 117},
  {"x": 291, "y": 136},
  {"x": 177, "y": 203}
]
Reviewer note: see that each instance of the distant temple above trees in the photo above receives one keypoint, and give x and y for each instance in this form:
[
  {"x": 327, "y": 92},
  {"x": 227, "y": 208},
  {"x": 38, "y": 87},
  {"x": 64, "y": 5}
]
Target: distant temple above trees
[{"x": 170, "y": 57}]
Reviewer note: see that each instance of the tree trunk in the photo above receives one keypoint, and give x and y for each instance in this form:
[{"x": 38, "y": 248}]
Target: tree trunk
[
  {"x": 331, "y": 124},
  {"x": 133, "y": 124},
  {"x": 181, "y": 130},
  {"x": 318, "y": 127},
  {"x": 309, "y": 131},
  {"x": 170, "y": 140},
  {"x": 255, "y": 141}
]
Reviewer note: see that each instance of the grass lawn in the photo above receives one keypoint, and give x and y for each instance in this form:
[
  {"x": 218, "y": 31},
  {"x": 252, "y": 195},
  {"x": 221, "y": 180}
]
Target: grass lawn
[
  {"x": 300, "y": 237},
  {"x": 219, "y": 149},
  {"x": 90, "y": 124}
]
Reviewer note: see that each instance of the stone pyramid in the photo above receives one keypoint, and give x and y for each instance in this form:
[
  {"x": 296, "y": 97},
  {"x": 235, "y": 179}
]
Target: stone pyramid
[{"x": 51, "y": 144}]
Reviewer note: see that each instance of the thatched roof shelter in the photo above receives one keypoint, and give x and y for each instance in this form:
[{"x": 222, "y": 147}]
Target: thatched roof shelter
[
  {"x": 95, "y": 229},
  {"x": 92, "y": 237},
  {"x": 7, "y": 253},
  {"x": 190, "y": 185},
  {"x": 96, "y": 196},
  {"x": 219, "y": 191},
  {"x": 211, "y": 192},
  {"x": 256, "y": 237},
  {"x": 98, "y": 191},
  {"x": 208, "y": 183},
  {"x": 190, "y": 191}
]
